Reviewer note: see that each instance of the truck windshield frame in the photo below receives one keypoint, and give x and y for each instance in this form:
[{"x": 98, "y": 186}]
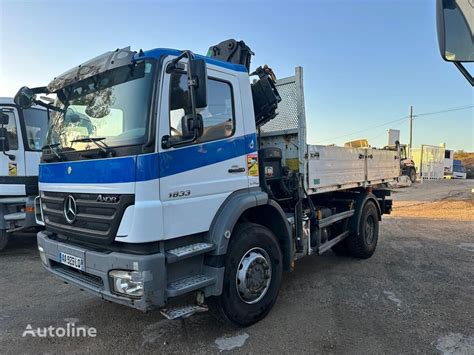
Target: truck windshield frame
[{"x": 115, "y": 106}]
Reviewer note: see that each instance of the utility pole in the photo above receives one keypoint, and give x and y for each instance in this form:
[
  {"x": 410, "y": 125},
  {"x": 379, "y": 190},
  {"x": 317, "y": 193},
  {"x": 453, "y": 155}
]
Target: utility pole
[{"x": 411, "y": 127}]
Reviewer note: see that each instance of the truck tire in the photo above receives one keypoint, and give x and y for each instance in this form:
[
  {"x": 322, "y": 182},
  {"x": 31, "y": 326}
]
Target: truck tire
[
  {"x": 3, "y": 239},
  {"x": 362, "y": 244},
  {"x": 412, "y": 175},
  {"x": 252, "y": 276}
]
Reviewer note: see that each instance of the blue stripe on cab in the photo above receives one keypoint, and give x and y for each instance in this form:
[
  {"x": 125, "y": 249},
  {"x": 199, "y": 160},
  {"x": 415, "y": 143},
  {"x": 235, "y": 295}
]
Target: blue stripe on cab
[
  {"x": 180, "y": 160},
  {"x": 148, "y": 166},
  {"x": 103, "y": 171}
]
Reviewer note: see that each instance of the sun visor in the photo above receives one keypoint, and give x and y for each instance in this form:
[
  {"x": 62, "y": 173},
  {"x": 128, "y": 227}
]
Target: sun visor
[{"x": 97, "y": 65}]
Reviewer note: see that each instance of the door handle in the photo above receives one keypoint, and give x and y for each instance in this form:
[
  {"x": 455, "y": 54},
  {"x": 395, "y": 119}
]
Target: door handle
[{"x": 236, "y": 170}]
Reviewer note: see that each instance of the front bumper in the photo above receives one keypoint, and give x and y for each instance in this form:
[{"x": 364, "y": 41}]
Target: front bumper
[{"x": 95, "y": 277}]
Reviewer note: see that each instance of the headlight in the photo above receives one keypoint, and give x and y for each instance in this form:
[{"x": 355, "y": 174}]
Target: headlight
[
  {"x": 128, "y": 283},
  {"x": 42, "y": 254}
]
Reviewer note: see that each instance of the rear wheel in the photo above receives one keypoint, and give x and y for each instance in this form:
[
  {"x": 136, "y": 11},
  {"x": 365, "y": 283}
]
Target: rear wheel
[
  {"x": 252, "y": 276},
  {"x": 3, "y": 239},
  {"x": 362, "y": 244}
]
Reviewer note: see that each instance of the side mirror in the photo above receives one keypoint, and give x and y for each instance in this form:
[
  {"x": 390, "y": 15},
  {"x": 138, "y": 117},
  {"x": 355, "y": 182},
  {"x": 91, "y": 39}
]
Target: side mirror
[
  {"x": 455, "y": 26},
  {"x": 4, "y": 119},
  {"x": 198, "y": 70},
  {"x": 4, "y": 140},
  {"x": 25, "y": 97}
]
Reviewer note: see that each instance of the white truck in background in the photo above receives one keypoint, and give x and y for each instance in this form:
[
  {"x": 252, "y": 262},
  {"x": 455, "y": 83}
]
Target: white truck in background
[
  {"x": 22, "y": 133},
  {"x": 166, "y": 173}
]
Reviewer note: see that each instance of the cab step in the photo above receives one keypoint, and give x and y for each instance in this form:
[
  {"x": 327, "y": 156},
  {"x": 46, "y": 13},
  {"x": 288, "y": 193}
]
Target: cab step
[
  {"x": 188, "y": 284},
  {"x": 187, "y": 251},
  {"x": 183, "y": 311},
  {"x": 17, "y": 216}
]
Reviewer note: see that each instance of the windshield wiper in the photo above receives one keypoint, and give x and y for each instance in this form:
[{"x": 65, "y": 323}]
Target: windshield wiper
[
  {"x": 98, "y": 141},
  {"x": 52, "y": 148}
]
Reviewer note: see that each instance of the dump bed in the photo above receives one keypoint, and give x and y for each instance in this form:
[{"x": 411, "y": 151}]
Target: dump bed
[{"x": 325, "y": 168}]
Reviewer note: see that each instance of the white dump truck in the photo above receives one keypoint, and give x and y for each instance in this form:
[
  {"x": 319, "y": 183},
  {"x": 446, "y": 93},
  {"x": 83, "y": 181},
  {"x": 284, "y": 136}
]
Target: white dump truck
[
  {"x": 22, "y": 133},
  {"x": 166, "y": 173}
]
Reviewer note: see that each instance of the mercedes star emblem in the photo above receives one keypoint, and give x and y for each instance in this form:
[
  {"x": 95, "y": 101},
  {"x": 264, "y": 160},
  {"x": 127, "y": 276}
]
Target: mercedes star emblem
[{"x": 70, "y": 209}]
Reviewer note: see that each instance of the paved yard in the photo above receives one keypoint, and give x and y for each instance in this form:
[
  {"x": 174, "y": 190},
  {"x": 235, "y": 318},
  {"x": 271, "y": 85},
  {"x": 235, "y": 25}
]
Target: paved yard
[{"x": 414, "y": 295}]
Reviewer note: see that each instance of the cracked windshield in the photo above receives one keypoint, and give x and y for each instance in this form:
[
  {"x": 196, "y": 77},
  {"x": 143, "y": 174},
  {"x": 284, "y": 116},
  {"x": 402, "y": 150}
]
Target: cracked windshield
[{"x": 111, "y": 108}]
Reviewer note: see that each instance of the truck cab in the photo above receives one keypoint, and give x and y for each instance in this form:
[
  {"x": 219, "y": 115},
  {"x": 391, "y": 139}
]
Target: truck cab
[{"x": 23, "y": 133}]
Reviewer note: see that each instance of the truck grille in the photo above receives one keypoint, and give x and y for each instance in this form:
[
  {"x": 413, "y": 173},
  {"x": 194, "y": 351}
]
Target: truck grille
[{"x": 94, "y": 221}]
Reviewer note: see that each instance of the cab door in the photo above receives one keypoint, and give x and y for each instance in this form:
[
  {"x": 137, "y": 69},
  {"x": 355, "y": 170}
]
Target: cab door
[
  {"x": 197, "y": 178},
  {"x": 12, "y": 170}
]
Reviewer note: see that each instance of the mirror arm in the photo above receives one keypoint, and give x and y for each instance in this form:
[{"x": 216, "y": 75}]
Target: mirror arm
[
  {"x": 48, "y": 106},
  {"x": 464, "y": 72},
  {"x": 10, "y": 156},
  {"x": 40, "y": 90},
  {"x": 168, "y": 141}
]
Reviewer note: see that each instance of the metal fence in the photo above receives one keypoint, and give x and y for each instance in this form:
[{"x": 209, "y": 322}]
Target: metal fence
[{"x": 430, "y": 161}]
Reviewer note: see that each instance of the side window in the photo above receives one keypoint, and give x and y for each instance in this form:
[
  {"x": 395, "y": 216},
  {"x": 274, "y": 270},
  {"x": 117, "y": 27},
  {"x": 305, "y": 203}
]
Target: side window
[
  {"x": 218, "y": 116},
  {"x": 36, "y": 125},
  {"x": 12, "y": 132}
]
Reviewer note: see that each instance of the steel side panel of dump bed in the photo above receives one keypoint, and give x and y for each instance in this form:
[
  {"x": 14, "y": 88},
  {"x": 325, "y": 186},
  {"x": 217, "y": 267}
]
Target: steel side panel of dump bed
[
  {"x": 382, "y": 165},
  {"x": 333, "y": 168}
]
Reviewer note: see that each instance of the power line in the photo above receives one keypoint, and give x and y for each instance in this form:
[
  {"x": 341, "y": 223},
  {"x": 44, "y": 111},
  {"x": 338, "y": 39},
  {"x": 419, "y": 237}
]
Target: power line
[
  {"x": 443, "y": 111},
  {"x": 427, "y": 114},
  {"x": 383, "y": 132},
  {"x": 364, "y": 130},
  {"x": 465, "y": 107}
]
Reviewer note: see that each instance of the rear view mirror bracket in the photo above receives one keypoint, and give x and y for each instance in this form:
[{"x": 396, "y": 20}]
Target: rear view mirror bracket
[{"x": 465, "y": 72}]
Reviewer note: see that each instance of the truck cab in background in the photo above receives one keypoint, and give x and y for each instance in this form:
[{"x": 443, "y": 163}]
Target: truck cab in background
[
  {"x": 407, "y": 164},
  {"x": 22, "y": 134}
]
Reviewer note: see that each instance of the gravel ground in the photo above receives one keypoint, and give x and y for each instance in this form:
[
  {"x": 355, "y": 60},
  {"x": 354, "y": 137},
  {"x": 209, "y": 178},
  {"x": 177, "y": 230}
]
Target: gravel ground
[
  {"x": 444, "y": 199},
  {"x": 414, "y": 295}
]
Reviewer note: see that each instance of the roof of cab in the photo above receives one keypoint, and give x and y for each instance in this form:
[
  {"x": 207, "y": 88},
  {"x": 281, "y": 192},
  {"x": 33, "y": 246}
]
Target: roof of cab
[
  {"x": 159, "y": 52},
  {"x": 6, "y": 100}
]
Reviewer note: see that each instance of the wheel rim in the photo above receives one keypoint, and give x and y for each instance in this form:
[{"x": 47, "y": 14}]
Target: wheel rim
[
  {"x": 370, "y": 230},
  {"x": 254, "y": 275}
]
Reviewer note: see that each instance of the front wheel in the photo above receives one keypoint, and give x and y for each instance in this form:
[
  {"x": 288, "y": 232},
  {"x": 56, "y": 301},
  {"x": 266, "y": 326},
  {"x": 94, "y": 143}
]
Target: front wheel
[
  {"x": 363, "y": 243},
  {"x": 3, "y": 239},
  {"x": 252, "y": 277}
]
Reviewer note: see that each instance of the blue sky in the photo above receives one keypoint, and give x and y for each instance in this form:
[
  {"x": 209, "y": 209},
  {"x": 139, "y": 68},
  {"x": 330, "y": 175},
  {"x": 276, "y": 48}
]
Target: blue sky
[{"x": 365, "y": 61}]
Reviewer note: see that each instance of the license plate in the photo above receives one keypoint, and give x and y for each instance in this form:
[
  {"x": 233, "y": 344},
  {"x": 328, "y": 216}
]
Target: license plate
[{"x": 72, "y": 261}]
